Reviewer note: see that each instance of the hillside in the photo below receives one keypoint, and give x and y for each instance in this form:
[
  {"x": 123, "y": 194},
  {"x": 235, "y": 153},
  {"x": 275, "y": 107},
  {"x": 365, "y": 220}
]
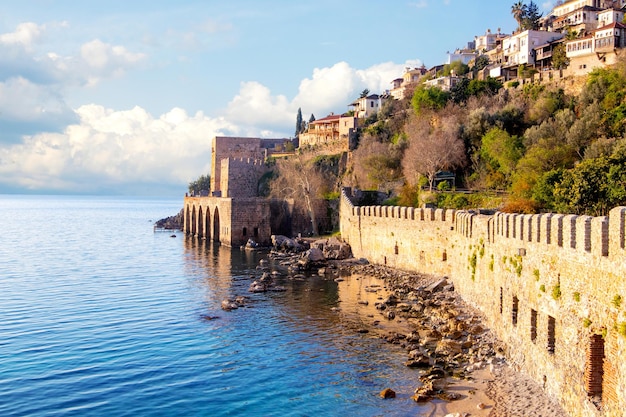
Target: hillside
[{"x": 523, "y": 148}]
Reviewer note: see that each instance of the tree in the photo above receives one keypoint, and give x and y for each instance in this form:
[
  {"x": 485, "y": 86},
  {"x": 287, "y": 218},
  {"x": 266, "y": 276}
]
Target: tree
[
  {"x": 203, "y": 183},
  {"x": 518, "y": 10},
  {"x": 429, "y": 98},
  {"x": 375, "y": 164},
  {"x": 502, "y": 150},
  {"x": 531, "y": 17},
  {"x": 298, "y": 178},
  {"x": 311, "y": 119},
  {"x": 299, "y": 123},
  {"x": 434, "y": 145},
  {"x": 559, "y": 57},
  {"x": 480, "y": 63},
  {"x": 456, "y": 68},
  {"x": 364, "y": 93}
]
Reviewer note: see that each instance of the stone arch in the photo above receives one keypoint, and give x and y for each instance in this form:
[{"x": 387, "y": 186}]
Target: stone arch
[
  {"x": 200, "y": 222},
  {"x": 207, "y": 223},
  {"x": 216, "y": 225},
  {"x": 194, "y": 222},
  {"x": 187, "y": 225}
]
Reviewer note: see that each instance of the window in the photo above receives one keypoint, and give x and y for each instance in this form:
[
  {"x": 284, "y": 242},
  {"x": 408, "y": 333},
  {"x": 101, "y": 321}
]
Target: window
[{"x": 514, "y": 310}]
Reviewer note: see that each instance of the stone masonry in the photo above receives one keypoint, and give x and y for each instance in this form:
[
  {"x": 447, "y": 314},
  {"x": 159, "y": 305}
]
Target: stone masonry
[{"x": 551, "y": 286}]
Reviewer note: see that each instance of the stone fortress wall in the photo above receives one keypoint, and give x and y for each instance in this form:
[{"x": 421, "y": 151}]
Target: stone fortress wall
[
  {"x": 239, "y": 178},
  {"x": 551, "y": 286}
]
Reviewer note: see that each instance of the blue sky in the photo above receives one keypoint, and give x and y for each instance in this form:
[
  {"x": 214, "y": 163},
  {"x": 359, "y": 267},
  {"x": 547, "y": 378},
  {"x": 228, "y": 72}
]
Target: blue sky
[{"x": 123, "y": 97}]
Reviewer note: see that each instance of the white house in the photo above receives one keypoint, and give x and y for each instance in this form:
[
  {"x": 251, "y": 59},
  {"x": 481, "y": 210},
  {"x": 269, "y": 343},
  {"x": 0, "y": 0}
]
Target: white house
[
  {"x": 596, "y": 50},
  {"x": 366, "y": 106},
  {"x": 518, "y": 48},
  {"x": 488, "y": 41}
]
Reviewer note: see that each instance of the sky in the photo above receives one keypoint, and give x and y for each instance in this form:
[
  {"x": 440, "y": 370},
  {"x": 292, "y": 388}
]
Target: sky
[{"x": 123, "y": 97}]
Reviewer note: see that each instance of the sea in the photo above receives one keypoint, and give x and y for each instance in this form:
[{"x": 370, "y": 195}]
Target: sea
[{"x": 102, "y": 315}]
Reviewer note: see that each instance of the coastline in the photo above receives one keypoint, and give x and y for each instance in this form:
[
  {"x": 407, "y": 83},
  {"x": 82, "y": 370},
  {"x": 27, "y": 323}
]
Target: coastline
[{"x": 479, "y": 379}]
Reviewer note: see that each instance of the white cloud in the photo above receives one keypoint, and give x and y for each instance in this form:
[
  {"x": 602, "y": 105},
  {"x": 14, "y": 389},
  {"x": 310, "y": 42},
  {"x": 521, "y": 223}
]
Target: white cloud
[
  {"x": 24, "y": 35},
  {"x": 330, "y": 89},
  {"x": 105, "y": 60},
  {"x": 419, "y": 4},
  {"x": 22, "y": 100},
  {"x": 110, "y": 148}
]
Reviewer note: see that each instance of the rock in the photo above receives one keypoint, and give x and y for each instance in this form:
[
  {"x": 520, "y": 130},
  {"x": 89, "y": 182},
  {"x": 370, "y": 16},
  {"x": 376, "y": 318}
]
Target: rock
[
  {"x": 392, "y": 300},
  {"x": 417, "y": 359},
  {"x": 481, "y": 406},
  {"x": 448, "y": 347},
  {"x": 424, "y": 393},
  {"x": 251, "y": 244},
  {"x": 387, "y": 393},
  {"x": 449, "y": 396},
  {"x": 284, "y": 243},
  {"x": 228, "y": 305},
  {"x": 437, "y": 286},
  {"x": 257, "y": 286},
  {"x": 390, "y": 315}
]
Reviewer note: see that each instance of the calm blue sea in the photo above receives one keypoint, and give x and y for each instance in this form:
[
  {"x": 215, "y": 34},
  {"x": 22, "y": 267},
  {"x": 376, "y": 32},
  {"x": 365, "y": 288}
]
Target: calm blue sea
[{"x": 102, "y": 316}]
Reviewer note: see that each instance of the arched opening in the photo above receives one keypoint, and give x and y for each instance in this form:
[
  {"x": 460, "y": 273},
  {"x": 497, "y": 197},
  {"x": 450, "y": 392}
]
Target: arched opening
[
  {"x": 200, "y": 223},
  {"x": 194, "y": 223},
  {"x": 216, "y": 225},
  {"x": 187, "y": 225},
  {"x": 207, "y": 224}
]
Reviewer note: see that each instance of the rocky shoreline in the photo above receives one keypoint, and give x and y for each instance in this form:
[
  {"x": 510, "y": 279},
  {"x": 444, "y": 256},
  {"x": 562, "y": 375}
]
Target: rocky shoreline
[{"x": 462, "y": 366}]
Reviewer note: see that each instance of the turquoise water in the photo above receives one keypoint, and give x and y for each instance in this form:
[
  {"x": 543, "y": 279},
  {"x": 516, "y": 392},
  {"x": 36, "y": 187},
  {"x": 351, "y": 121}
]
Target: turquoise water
[{"x": 102, "y": 316}]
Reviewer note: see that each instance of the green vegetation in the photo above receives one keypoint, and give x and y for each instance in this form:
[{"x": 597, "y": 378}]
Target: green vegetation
[
  {"x": 576, "y": 296},
  {"x": 617, "y": 301},
  {"x": 586, "y": 322},
  {"x": 203, "y": 183},
  {"x": 528, "y": 150},
  {"x": 536, "y": 274},
  {"x": 524, "y": 149},
  {"x": 556, "y": 292}
]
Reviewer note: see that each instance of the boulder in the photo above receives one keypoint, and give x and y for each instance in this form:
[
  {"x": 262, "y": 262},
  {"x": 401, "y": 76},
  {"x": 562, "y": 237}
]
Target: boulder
[
  {"x": 448, "y": 347},
  {"x": 387, "y": 393},
  {"x": 228, "y": 305}
]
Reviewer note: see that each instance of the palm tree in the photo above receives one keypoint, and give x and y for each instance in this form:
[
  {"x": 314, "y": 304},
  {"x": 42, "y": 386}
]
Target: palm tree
[{"x": 518, "y": 10}]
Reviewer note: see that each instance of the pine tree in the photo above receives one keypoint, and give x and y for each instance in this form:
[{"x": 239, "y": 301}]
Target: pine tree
[{"x": 298, "y": 122}]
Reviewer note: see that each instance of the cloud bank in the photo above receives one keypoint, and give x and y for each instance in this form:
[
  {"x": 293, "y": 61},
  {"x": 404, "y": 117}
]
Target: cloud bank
[{"x": 46, "y": 146}]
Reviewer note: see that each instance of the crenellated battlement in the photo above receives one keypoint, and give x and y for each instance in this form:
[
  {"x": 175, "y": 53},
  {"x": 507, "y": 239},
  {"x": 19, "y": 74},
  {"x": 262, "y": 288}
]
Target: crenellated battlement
[
  {"x": 550, "y": 286},
  {"x": 244, "y": 161}
]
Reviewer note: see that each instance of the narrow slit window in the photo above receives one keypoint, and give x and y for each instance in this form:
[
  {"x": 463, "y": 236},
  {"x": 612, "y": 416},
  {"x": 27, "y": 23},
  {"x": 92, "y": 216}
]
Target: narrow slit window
[
  {"x": 514, "y": 311},
  {"x": 551, "y": 334},
  {"x": 533, "y": 325}
]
